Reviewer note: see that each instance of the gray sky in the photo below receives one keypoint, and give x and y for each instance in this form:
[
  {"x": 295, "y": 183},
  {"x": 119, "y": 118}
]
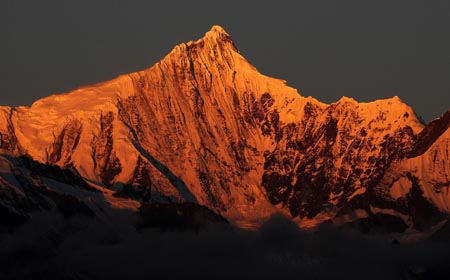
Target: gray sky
[{"x": 325, "y": 48}]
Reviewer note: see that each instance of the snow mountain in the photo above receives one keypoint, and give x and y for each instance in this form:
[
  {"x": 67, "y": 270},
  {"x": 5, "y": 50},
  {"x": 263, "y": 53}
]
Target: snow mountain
[{"x": 204, "y": 126}]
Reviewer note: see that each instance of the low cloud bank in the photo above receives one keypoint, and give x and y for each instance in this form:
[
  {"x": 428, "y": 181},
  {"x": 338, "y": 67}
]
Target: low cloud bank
[{"x": 112, "y": 248}]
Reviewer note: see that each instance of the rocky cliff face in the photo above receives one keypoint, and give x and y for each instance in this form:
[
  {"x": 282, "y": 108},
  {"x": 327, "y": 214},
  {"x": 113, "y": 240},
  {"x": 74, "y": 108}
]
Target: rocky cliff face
[{"x": 204, "y": 126}]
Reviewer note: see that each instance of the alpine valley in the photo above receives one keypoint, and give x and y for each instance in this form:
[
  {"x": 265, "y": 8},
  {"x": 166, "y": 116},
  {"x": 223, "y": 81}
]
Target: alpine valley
[{"x": 204, "y": 133}]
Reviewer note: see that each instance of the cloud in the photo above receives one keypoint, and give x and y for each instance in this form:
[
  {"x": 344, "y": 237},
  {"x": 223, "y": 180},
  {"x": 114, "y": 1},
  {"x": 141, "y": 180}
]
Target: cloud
[{"x": 85, "y": 248}]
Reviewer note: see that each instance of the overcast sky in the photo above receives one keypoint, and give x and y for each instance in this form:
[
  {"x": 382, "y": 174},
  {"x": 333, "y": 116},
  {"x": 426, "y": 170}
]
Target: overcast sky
[{"x": 325, "y": 48}]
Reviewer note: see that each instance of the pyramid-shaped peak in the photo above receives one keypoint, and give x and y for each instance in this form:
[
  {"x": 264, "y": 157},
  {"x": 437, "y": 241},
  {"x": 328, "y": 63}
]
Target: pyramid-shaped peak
[
  {"x": 217, "y": 33},
  {"x": 216, "y": 36},
  {"x": 218, "y": 29}
]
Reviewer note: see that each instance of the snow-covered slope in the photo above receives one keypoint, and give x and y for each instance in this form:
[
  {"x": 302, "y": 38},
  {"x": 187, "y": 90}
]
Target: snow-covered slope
[
  {"x": 204, "y": 126},
  {"x": 28, "y": 187},
  {"x": 425, "y": 170}
]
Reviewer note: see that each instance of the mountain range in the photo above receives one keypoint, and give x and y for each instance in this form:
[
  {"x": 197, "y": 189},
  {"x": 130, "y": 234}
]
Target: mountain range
[{"x": 204, "y": 127}]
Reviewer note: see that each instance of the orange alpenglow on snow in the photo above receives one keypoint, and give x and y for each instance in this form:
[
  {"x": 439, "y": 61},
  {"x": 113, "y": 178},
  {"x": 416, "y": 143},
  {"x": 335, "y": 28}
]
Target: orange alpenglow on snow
[{"x": 204, "y": 126}]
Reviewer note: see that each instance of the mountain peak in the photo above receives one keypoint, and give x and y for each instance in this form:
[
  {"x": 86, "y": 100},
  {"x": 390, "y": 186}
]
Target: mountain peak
[
  {"x": 218, "y": 30},
  {"x": 345, "y": 99},
  {"x": 217, "y": 35},
  {"x": 204, "y": 125},
  {"x": 216, "y": 45}
]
